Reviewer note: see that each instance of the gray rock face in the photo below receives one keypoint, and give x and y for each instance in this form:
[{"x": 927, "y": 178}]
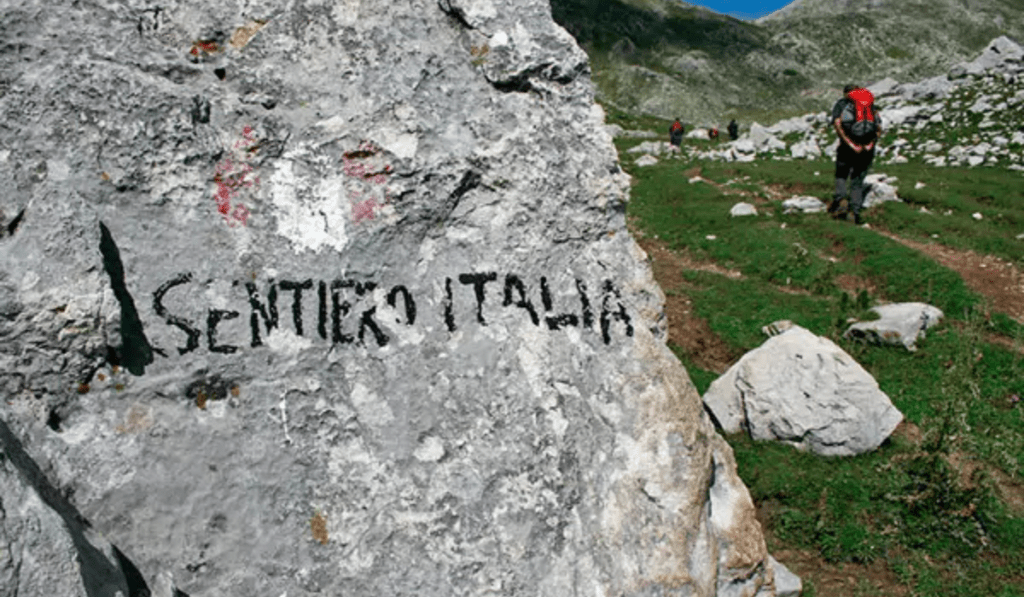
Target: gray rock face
[
  {"x": 804, "y": 390},
  {"x": 47, "y": 546},
  {"x": 339, "y": 298},
  {"x": 898, "y": 323}
]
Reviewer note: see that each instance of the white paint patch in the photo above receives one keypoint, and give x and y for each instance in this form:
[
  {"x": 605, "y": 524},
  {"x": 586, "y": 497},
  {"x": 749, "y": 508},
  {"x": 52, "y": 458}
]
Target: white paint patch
[
  {"x": 371, "y": 408},
  {"x": 313, "y": 224}
]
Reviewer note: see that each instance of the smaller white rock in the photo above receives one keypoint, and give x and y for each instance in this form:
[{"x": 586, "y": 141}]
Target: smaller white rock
[
  {"x": 787, "y": 584},
  {"x": 898, "y": 323},
  {"x": 807, "y": 205},
  {"x": 743, "y": 209},
  {"x": 977, "y": 215}
]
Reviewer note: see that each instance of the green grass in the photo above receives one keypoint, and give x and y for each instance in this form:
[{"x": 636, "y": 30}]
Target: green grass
[{"x": 903, "y": 504}]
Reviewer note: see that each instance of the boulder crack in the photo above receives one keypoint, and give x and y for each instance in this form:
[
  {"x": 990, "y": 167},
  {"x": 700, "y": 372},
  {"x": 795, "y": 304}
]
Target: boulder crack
[
  {"x": 454, "y": 12},
  {"x": 136, "y": 351}
]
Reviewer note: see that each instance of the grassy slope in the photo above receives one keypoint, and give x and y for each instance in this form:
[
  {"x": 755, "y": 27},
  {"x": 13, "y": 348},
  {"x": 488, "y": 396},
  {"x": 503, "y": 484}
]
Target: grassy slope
[{"x": 903, "y": 504}]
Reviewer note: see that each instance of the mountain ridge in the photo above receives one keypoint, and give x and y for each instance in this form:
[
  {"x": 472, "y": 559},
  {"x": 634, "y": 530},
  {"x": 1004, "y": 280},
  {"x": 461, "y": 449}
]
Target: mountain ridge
[{"x": 665, "y": 58}]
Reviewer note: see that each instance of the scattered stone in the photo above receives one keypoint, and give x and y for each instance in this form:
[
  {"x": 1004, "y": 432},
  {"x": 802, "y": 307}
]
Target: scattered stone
[
  {"x": 977, "y": 216},
  {"x": 743, "y": 209},
  {"x": 880, "y": 189},
  {"x": 807, "y": 205},
  {"x": 803, "y": 390},
  {"x": 805, "y": 150},
  {"x": 651, "y": 147},
  {"x": 632, "y": 134},
  {"x": 787, "y": 584},
  {"x": 646, "y": 160},
  {"x": 884, "y": 87},
  {"x": 898, "y": 323}
]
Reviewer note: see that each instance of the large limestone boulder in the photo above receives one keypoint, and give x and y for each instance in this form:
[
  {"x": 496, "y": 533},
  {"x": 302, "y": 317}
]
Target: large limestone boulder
[
  {"x": 338, "y": 298},
  {"x": 804, "y": 390}
]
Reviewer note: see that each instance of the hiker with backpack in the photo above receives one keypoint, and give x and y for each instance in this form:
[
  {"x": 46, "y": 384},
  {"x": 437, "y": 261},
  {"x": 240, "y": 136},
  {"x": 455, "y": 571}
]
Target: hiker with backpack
[
  {"x": 675, "y": 134},
  {"x": 858, "y": 125},
  {"x": 734, "y": 130}
]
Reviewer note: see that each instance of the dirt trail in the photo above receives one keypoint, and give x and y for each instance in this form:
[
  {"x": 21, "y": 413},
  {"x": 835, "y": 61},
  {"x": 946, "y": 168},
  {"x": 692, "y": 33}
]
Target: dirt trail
[
  {"x": 685, "y": 329},
  {"x": 998, "y": 280}
]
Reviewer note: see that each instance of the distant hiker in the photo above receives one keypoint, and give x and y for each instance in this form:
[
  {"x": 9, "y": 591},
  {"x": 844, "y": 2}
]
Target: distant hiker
[
  {"x": 734, "y": 130},
  {"x": 858, "y": 126},
  {"x": 675, "y": 133},
  {"x": 712, "y": 133}
]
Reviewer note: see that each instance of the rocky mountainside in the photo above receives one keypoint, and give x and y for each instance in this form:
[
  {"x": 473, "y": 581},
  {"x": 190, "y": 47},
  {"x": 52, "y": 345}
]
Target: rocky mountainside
[
  {"x": 669, "y": 59},
  {"x": 971, "y": 116},
  {"x": 336, "y": 298}
]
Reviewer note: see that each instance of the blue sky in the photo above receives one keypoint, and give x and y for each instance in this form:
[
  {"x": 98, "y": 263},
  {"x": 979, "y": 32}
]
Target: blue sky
[{"x": 742, "y": 9}]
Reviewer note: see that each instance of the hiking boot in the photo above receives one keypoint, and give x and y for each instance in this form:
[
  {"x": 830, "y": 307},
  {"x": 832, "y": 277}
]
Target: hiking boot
[
  {"x": 833, "y": 207},
  {"x": 857, "y": 219}
]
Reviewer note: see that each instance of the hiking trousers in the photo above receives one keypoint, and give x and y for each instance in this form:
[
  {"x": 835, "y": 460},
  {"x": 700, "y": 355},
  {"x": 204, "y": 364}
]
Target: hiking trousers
[{"x": 854, "y": 166}]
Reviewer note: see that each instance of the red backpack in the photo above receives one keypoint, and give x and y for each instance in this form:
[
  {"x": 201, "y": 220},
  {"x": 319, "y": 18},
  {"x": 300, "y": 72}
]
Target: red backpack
[{"x": 858, "y": 117}]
